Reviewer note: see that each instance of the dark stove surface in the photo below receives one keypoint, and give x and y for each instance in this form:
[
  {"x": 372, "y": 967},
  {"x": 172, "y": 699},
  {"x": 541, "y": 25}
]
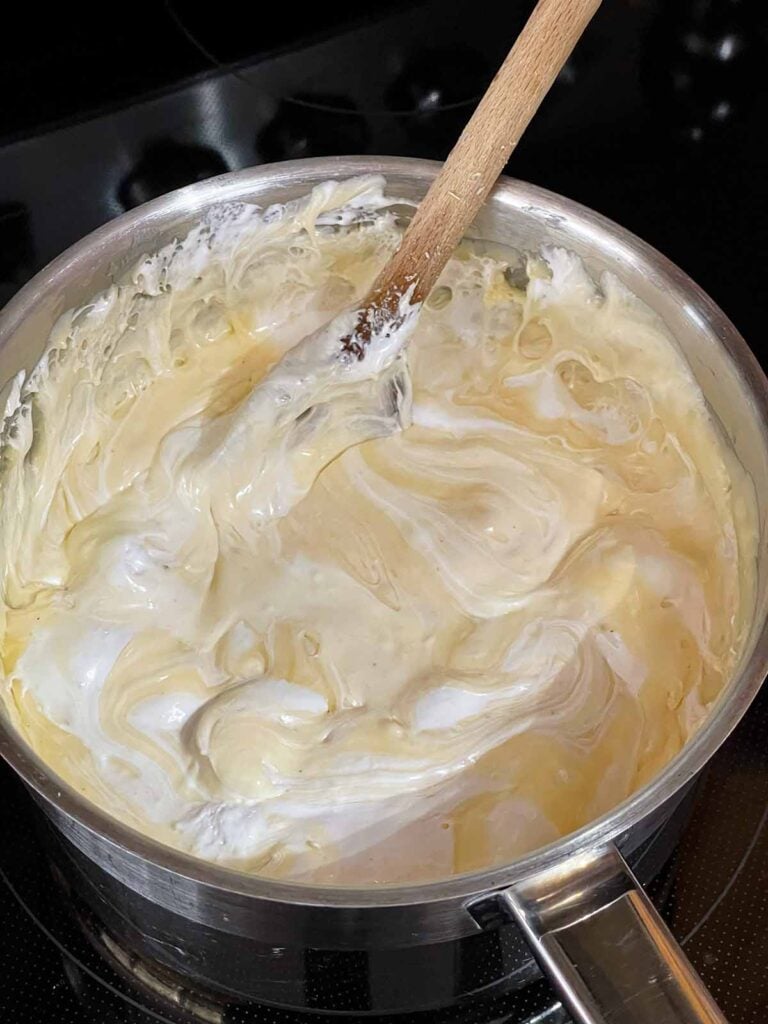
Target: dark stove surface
[{"x": 658, "y": 121}]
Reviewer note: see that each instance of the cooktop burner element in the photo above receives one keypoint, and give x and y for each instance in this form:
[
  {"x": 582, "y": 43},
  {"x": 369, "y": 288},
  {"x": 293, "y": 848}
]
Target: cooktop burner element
[{"x": 653, "y": 123}]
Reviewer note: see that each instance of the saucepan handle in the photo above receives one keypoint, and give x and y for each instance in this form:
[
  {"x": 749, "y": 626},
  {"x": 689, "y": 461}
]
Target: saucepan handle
[{"x": 598, "y": 938}]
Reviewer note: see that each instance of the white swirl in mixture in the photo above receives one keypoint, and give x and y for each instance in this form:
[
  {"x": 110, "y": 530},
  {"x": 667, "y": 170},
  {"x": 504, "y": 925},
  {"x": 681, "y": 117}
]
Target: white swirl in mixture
[{"x": 309, "y": 615}]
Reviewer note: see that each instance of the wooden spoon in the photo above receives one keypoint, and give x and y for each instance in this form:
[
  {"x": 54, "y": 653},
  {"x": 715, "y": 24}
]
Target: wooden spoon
[{"x": 474, "y": 164}]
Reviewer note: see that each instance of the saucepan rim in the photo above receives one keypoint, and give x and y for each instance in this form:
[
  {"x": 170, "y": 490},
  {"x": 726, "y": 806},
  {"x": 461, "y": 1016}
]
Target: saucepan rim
[{"x": 625, "y": 248}]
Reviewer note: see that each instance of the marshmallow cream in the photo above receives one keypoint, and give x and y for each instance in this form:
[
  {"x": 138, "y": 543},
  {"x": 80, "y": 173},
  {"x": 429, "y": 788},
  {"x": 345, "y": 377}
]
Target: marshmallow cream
[{"x": 374, "y": 620}]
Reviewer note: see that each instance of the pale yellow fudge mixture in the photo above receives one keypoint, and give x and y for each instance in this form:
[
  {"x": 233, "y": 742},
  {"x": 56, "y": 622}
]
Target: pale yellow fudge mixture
[{"x": 383, "y": 620}]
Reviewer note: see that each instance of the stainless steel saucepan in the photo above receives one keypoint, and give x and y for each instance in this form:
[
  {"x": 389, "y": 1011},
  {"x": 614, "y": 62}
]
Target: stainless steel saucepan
[{"x": 574, "y": 905}]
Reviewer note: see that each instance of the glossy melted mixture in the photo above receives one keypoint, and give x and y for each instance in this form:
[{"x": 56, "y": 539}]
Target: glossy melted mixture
[{"x": 374, "y": 621}]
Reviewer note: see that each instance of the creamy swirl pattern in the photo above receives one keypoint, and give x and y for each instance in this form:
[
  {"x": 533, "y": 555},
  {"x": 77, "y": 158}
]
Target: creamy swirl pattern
[{"x": 346, "y": 621}]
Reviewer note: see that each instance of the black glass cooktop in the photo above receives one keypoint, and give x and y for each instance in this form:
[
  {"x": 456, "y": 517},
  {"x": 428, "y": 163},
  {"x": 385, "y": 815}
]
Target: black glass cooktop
[{"x": 658, "y": 121}]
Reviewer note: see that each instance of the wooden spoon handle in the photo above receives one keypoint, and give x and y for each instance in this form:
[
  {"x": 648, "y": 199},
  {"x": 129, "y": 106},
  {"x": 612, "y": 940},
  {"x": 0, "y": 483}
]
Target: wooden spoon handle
[{"x": 483, "y": 148}]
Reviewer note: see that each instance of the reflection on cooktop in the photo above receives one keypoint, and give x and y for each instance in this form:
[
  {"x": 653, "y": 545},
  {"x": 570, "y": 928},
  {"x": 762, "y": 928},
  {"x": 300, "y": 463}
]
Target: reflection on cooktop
[
  {"x": 313, "y": 124},
  {"x": 434, "y": 78},
  {"x": 702, "y": 64},
  {"x": 165, "y": 165}
]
